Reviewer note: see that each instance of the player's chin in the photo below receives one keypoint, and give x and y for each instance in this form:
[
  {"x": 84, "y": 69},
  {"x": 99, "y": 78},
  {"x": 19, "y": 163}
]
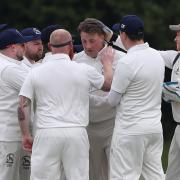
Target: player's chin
[{"x": 91, "y": 53}]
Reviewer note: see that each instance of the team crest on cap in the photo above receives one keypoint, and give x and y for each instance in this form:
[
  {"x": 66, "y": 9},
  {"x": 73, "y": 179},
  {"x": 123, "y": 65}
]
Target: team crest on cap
[
  {"x": 36, "y": 31},
  {"x": 18, "y": 32},
  {"x": 123, "y": 26}
]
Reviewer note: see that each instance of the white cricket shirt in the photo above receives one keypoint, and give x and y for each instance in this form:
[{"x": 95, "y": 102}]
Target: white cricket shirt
[
  {"x": 26, "y": 64},
  {"x": 139, "y": 77},
  {"x": 99, "y": 109},
  {"x": 11, "y": 79},
  {"x": 61, "y": 90},
  {"x": 169, "y": 57}
]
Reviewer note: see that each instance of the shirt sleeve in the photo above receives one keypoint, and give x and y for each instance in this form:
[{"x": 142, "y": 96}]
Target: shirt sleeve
[
  {"x": 27, "y": 89},
  {"x": 114, "y": 98},
  {"x": 14, "y": 76},
  {"x": 95, "y": 78},
  {"x": 122, "y": 78},
  {"x": 168, "y": 57}
]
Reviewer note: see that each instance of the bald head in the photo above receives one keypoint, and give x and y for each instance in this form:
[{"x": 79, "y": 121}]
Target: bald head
[
  {"x": 60, "y": 36},
  {"x": 61, "y": 42}
]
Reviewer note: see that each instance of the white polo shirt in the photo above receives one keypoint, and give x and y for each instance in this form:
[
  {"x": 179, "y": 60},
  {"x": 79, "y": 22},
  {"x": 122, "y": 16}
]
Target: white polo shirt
[
  {"x": 139, "y": 77},
  {"x": 26, "y": 64},
  {"x": 61, "y": 90},
  {"x": 99, "y": 110},
  {"x": 11, "y": 79},
  {"x": 168, "y": 57}
]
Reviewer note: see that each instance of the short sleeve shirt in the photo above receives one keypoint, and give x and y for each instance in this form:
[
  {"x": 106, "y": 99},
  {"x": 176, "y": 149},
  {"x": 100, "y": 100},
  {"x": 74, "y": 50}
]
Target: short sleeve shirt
[{"x": 61, "y": 89}]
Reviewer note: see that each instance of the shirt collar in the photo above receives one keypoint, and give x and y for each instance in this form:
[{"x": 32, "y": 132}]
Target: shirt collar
[
  {"x": 58, "y": 56},
  {"x": 10, "y": 59},
  {"x": 26, "y": 61},
  {"x": 138, "y": 47}
]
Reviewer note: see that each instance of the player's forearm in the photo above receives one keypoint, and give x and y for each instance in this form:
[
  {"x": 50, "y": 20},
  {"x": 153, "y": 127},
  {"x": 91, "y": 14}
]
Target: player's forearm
[
  {"x": 24, "y": 111},
  {"x": 108, "y": 75}
]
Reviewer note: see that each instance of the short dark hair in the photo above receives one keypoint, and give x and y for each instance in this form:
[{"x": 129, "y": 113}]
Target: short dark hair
[
  {"x": 91, "y": 25},
  {"x": 136, "y": 37}
]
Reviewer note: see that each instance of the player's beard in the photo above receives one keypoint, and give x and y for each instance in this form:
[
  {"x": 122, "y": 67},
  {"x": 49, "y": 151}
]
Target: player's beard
[{"x": 36, "y": 57}]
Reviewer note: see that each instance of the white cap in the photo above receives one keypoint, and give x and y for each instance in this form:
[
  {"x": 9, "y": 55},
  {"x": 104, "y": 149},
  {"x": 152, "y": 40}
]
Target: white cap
[{"x": 174, "y": 27}]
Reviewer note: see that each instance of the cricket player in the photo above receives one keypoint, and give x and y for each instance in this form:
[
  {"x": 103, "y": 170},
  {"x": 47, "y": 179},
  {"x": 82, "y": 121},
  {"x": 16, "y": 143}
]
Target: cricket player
[
  {"x": 33, "y": 47},
  {"x": 62, "y": 116},
  {"x": 12, "y": 76},
  {"x": 171, "y": 94},
  {"x": 136, "y": 89},
  {"x": 101, "y": 114}
]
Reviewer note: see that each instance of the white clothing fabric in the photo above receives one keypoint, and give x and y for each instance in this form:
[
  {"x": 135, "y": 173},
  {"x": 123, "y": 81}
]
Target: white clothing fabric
[
  {"x": 11, "y": 79},
  {"x": 14, "y": 164},
  {"x": 26, "y": 64},
  {"x": 98, "y": 111},
  {"x": 138, "y": 155},
  {"x": 137, "y": 138},
  {"x": 173, "y": 170},
  {"x": 101, "y": 120},
  {"x": 66, "y": 91},
  {"x": 114, "y": 98},
  {"x": 55, "y": 145},
  {"x": 139, "y": 77},
  {"x": 11, "y": 153},
  {"x": 118, "y": 43},
  {"x": 168, "y": 57},
  {"x": 61, "y": 90},
  {"x": 48, "y": 54}
]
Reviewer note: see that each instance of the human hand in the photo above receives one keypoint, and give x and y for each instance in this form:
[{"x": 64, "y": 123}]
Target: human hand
[
  {"x": 107, "y": 56},
  {"x": 27, "y": 143}
]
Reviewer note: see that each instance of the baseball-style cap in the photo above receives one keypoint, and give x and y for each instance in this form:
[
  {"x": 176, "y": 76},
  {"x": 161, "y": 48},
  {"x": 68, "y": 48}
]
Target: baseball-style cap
[
  {"x": 46, "y": 32},
  {"x": 174, "y": 27},
  {"x": 116, "y": 27},
  {"x": 31, "y": 34},
  {"x": 10, "y": 36},
  {"x": 131, "y": 24},
  {"x": 3, "y": 27}
]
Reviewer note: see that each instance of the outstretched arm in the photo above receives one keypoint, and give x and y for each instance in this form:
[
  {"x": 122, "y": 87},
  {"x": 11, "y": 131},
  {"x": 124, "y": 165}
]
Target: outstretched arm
[{"x": 24, "y": 113}]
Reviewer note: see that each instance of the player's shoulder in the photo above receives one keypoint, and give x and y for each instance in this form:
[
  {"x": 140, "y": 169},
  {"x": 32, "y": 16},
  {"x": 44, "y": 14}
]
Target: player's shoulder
[{"x": 80, "y": 57}]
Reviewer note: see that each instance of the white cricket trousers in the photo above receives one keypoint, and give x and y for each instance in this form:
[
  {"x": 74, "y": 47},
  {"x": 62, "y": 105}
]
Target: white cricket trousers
[
  {"x": 173, "y": 170},
  {"x": 54, "y": 147},
  {"x": 100, "y": 135},
  {"x": 133, "y": 156},
  {"x": 14, "y": 161}
]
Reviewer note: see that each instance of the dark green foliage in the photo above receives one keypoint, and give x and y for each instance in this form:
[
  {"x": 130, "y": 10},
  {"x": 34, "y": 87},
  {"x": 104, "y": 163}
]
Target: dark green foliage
[{"x": 157, "y": 15}]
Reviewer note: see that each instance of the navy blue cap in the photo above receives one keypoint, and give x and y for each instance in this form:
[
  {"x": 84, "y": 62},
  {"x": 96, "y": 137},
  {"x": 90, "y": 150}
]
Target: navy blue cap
[
  {"x": 31, "y": 34},
  {"x": 116, "y": 27},
  {"x": 46, "y": 32},
  {"x": 10, "y": 36},
  {"x": 78, "y": 48},
  {"x": 131, "y": 24},
  {"x": 3, "y": 26}
]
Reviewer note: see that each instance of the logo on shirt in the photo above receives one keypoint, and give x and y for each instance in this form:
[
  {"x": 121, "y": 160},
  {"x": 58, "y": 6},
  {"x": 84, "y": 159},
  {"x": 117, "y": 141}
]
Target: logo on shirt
[
  {"x": 26, "y": 162},
  {"x": 9, "y": 159}
]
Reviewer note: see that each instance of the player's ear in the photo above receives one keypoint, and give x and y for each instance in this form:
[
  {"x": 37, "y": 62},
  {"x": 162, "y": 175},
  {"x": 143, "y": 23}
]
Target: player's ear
[{"x": 49, "y": 46}]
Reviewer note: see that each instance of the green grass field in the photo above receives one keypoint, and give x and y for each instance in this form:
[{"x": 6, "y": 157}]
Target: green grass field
[{"x": 165, "y": 154}]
